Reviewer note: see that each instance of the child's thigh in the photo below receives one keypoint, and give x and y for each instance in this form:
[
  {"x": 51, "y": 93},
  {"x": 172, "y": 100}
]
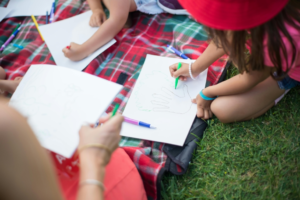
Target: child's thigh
[{"x": 247, "y": 105}]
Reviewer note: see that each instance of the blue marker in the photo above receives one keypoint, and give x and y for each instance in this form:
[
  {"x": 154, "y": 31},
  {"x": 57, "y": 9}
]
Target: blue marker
[
  {"x": 173, "y": 50},
  {"x": 52, "y": 12}
]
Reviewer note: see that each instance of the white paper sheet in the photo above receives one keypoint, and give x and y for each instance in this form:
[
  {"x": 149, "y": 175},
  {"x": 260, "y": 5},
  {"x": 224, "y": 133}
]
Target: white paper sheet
[
  {"x": 4, "y": 12},
  {"x": 57, "y": 101},
  {"x": 29, "y": 7},
  {"x": 76, "y": 29},
  {"x": 155, "y": 101}
]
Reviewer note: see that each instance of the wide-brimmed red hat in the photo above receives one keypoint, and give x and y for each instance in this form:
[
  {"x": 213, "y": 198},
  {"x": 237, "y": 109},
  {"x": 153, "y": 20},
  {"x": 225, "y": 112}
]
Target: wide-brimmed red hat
[{"x": 233, "y": 14}]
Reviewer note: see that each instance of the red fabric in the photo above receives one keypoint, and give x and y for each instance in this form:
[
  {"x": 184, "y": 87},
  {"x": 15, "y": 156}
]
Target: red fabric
[
  {"x": 233, "y": 14},
  {"x": 122, "y": 181}
]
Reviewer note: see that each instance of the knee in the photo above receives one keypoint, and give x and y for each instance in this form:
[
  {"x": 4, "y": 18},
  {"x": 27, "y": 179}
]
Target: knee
[
  {"x": 2, "y": 73},
  {"x": 221, "y": 111}
]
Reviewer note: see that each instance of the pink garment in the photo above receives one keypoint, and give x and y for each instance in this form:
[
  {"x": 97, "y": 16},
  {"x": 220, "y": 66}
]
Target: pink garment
[{"x": 294, "y": 73}]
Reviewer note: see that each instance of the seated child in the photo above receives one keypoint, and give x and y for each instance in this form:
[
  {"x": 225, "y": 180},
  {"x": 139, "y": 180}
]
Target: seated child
[
  {"x": 118, "y": 15},
  {"x": 262, "y": 38},
  {"x": 9, "y": 86}
]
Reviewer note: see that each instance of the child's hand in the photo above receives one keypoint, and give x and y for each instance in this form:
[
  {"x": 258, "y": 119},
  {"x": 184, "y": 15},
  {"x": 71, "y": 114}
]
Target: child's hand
[
  {"x": 74, "y": 52},
  {"x": 203, "y": 107},
  {"x": 97, "y": 18},
  {"x": 183, "y": 72}
]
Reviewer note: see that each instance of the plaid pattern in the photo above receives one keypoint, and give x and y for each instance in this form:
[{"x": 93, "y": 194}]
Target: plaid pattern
[{"x": 149, "y": 35}]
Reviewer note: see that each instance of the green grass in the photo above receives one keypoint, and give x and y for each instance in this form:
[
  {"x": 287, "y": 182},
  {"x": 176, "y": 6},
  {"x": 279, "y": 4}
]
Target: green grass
[{"x": 258, "y": 159}]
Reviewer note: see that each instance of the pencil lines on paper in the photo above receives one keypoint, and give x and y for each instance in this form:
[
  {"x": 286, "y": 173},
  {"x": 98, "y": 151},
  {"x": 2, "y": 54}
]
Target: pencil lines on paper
[
  {"x": 166, "y": 101},
  {"x": 152, "y": 97}
]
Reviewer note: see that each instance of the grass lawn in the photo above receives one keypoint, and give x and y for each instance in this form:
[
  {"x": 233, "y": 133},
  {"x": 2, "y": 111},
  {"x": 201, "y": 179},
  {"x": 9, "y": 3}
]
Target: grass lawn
[{"x": 258, "y": 159}]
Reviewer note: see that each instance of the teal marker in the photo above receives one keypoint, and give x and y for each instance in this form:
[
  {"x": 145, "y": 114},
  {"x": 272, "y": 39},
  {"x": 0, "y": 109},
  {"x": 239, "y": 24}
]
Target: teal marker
[{"x": 176, "y": 80}]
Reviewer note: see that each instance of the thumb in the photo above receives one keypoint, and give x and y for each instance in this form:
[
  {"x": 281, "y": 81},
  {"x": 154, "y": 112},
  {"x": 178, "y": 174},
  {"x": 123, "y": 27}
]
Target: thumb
[{"x": 85, "y": 126}]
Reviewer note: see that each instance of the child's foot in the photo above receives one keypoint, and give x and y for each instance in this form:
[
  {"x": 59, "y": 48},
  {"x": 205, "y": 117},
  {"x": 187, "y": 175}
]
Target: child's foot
[
  {"x": 9, "y": 86},
  {"x": 172, "y": 6}
]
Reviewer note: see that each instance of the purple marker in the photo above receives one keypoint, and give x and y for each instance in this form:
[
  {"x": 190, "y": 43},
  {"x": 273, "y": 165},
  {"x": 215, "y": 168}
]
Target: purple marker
[
  {"x": 10, "y": 39},
  {"x": 139, "y": 123}
]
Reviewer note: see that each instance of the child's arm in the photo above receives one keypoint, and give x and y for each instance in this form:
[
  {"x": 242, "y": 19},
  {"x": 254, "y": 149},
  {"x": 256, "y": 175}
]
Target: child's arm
[
  {"x": 209, "y": 56},
  {"x": 98, "y": 16},
  {"x": 119, "y": 11},
  {"x": 238, "y": 84}
]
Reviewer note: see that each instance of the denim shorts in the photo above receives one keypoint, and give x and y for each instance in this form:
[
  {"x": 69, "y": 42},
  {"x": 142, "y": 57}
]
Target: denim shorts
[
  {"x": 287, "y": 83},
  {"x": 148, "y": 6}
]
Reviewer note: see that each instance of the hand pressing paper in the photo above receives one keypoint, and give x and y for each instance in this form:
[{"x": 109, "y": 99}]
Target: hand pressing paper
[
  {"x": 76, "y": 29},
  {"x": 155, "y": 100}
]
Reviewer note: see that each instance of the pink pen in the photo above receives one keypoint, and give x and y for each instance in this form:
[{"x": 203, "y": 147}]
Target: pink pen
[{"x": 139, "y": 123}]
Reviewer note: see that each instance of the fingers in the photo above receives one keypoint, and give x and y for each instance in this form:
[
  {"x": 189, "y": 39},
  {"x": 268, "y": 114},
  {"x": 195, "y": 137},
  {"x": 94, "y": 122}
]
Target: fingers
[
  {"x": 104, "y": 18},
  {"x": 18, "y": 78},
  {"x": 182, "y": 78},
  {"x": 104, "y": 119},
  {"x": 66, "y": 52},
  {"x": 84, "y": 128},
  {"x": 98, "y": 20},
  {"x": 206, "y": 114},
  {"x": 194, "y": 101},
  {"x": 210, "y": 114},
  {"x": 114, "y": 124},
  {"x": 199, "y": 112},
  {"x": 173, "y": 69}
]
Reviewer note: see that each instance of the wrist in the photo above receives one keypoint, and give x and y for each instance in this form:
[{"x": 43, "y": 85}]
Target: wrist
[
  {"x": 93, "y": 157},
  {"x": 194, "y": 70},
  {"x": 206, "y": 95},
  {"x": 98, "y": 9}
]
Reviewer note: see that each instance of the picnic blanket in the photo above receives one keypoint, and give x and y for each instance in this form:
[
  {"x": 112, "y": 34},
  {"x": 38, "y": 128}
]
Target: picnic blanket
[{"x": 121, "y": 63}]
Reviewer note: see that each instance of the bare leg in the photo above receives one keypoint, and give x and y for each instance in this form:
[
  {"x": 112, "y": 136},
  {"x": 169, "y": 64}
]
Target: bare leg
[
  {"x": 26, "y": 171},
  {"x": 249, "y": 105}
]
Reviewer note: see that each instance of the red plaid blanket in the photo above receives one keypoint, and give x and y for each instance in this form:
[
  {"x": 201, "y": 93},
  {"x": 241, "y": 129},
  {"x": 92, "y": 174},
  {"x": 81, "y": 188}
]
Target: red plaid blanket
[{"x": 149, "y": 35}]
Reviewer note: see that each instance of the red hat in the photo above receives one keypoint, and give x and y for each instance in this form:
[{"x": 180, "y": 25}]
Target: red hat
[{"x": 233, "y": 14}]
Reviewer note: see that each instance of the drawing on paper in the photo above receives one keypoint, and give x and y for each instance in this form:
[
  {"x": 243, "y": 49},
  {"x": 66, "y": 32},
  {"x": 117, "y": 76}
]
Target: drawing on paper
[{"x": 162, "y": 98}]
